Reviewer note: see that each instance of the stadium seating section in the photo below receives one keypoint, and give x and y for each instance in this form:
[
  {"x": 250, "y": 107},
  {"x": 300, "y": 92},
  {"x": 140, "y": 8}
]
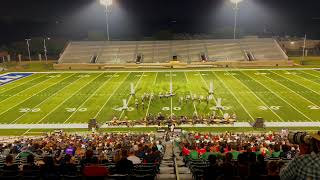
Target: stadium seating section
[{"x": 188, "y": 51}]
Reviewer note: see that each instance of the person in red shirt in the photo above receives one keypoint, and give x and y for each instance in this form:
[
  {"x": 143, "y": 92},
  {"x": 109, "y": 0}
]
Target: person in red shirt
[
  {"x": 202, "y": 150},
  {"x": 186, "y": 150}
]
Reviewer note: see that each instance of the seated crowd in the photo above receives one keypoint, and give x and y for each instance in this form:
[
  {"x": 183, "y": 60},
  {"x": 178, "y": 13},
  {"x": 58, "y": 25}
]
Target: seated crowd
[
  {"x": 237, "y": 156},
  {"x": 58, "y": 155}
]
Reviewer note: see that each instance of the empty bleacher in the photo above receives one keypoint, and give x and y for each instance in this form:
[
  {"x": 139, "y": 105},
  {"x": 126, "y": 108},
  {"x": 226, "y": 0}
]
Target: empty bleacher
[{"x": 188, "y": 51}]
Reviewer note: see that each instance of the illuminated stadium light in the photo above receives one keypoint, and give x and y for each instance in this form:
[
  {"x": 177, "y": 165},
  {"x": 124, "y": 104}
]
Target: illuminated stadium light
[
  {"x": 236, "y": 9},
  {"x": 292, "y": 42},
  {"x": 107, "y": 4}
]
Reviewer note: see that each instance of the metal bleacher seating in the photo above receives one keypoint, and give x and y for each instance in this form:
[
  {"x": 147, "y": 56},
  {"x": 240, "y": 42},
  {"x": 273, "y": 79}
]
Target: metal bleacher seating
[{"x": 120, "y": 52}]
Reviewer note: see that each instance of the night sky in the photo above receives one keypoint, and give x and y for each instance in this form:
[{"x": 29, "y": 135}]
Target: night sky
[{"x": 134, "y": 19}]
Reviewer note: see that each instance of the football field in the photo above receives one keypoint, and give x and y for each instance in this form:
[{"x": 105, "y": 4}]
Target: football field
[{"x": 76, "y": 97}]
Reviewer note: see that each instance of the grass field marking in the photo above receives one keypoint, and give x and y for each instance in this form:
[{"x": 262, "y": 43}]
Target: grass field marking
[
  {"x": 299, "y": 84},
  {"x": 80, "y": 88},
  {"x": 135, "y": 87},
  {"x": 231, "y": 92},
  {"x": 88, "y": 98},
  {"x": 291, "y": 89},
  {"x": 194, "y": 105},
  {"x": 279, "y": 97},
  {"x": 19, "y": 84},
  {"x": 262, "y": 101},
  {"x": 311, "y": 74},
  {"x": 314, "y": 82},
  {"x": 30, "y": 96},
  {"x": 114, "y": 91},
  {"x": 49, "y": 97},
  {"x": 28, "y": 87},
  {"x": 154, "y": 83}
]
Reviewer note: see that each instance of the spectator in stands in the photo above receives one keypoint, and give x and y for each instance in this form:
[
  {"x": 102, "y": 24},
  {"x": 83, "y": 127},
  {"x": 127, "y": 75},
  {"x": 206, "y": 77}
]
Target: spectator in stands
[
  {"x": 68, "y": 167},
  {"x": 152, "y": 155},
  {"x": 261, "y": 165},
  {"x": 132, "y": 157},
  {"x": 214, "y": 170},
  {"x": 94, "y": 169},
  {"x": 103, "y": 159},
  {"x": 30, "y": 169},
  {"x": 9, "y": 168},
  {"x": 206, "y": 155},
  {"x": 124, "y": 166},
  {"x": 87, "y": 159},
  {"x": 304, "y": 166},
  {"x": 276, "y": 152},
  {"x": 49, "y": 169},
  {"x": 273, "y": 170},
  {"x": 160, "y": 147},
  {"x": 234, "y": 151},
  {"x": 193, "y": 153},
  {"x": 201, "y": 150}
]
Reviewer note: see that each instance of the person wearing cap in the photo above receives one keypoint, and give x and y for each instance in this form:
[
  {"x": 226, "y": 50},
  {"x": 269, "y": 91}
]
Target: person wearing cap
[{"x": 304, "y": 166}]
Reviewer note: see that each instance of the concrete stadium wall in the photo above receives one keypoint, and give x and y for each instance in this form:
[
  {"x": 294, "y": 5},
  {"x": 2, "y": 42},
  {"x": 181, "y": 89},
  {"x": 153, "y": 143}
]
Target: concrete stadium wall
[{"x": 173, "y": 65}]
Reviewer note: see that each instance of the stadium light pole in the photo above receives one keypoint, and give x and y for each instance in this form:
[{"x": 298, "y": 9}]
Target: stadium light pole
[
  {"x": 235, "y": 9},
  {"x": 107, "y": 4},
  {"x": 45, "y": 47},
  {"x": 28, "y": 46}
]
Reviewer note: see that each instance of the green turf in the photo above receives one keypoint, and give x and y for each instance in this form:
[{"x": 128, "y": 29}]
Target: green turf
[{"x": 276, "y": 95}]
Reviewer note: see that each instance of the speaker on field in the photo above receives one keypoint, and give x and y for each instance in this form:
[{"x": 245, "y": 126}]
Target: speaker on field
[
  {"x": 92, "y": 124},
  {"x": 259, "y": 123}
]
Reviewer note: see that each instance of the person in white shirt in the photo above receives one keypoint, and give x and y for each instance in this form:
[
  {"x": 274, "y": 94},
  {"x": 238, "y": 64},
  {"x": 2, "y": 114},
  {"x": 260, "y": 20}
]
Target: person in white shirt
[{"x": 132, "y": 157}]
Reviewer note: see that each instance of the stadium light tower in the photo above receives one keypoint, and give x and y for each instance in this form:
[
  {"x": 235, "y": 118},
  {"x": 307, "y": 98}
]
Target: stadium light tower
[
  {"x": 28, "y": 46},
  {"x": 45, "y": 47},
  {"x": 235, "y": 9},
  {"x": 107, "y": 4}
]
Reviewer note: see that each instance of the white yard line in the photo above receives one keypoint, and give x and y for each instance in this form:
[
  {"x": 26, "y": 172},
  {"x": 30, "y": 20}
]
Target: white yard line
[
  {"x": 84, "y": 85},
  {"x": 311, "y": 74},
  {"x": 154, "y": 83},
  {"x": 243, "y": 107},
  {"x": 92, "y": 94},
  {"x": 45, "y": 99},
  {"x": 27, "y": 88},
  {"x": 114, "y": 91},
  {"x": 257, "y": 97},
  {"x": 279, "y": 97},
  {"x": 30, "y": 96},
  {"x": 194, "y": 105},
  {"x": 135, "y": 87},
  {"x": 299, "y": 84},
  {"x": 20, "y": 84},
  {"x": 290, "y": 89}
]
